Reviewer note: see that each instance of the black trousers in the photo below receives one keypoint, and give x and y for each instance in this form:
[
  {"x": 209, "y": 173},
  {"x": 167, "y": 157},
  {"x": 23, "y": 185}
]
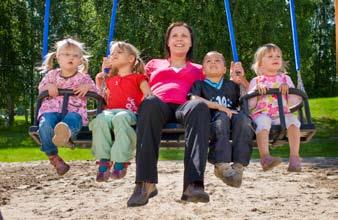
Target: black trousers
[
  {"x": 153, "y": 114},
  {"x": 221, "y": 149}
]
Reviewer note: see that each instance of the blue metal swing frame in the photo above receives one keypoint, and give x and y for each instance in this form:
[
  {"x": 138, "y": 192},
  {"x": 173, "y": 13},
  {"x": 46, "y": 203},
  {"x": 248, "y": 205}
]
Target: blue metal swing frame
[
  {"x": 278, "y": 134},
  {"x": 173, "y": 134}
]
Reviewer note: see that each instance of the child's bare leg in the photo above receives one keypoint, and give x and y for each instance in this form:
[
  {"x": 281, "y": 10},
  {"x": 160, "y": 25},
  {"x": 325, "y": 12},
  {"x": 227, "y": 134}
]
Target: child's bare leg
[
  {"x": 294, "y": 140},
  {"x": 267, "y": 161},
  {"x": 262, "y": 139}
]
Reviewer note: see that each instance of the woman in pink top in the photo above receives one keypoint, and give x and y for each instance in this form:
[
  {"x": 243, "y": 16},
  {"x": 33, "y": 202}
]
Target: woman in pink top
[
  {"x": 56, "y": 129},
  {"x": 170, "y": 80}
]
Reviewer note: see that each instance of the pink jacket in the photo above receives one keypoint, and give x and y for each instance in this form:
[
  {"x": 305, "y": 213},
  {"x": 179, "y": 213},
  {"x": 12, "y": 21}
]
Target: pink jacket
[
  {"x": 267, "y": 104},
  {"x": 75, "y": 104}
]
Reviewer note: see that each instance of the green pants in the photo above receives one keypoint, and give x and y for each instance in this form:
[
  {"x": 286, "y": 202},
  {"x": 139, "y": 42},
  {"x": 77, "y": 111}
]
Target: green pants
[{"x": 120, "y": 121}]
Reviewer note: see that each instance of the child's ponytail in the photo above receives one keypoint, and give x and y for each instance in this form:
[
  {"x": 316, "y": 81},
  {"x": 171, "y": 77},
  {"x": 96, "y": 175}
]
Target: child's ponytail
[
  {"x": 48, "y": 62},
  {"x": 85, "y": 64},
  {"x": 138, "y": 65}
]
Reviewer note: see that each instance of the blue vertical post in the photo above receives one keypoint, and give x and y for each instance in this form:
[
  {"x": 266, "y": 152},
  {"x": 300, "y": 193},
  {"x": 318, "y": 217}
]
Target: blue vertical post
[
  {"x": 112, "y": 26},
  {"x": 300, "y": 84},
  {"x": 294, "y": 34},
  {"x": 231, "y": 30},
  {"x": 45, "y": 30}
]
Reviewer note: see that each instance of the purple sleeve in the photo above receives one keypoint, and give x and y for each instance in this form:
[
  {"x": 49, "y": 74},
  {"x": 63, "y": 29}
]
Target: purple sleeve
[
  {"x": 289, "y": 81},
  {"x": 252, "y": 88},
  {"x": 49, "y": 78},
  {"x": 252, "y": 85}
]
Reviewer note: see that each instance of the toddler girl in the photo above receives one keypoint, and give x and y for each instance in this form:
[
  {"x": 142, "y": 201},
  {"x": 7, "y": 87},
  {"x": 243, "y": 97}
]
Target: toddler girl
[
  {"x": 270, "y": 69},
  {"x": 57, "y": 129}
]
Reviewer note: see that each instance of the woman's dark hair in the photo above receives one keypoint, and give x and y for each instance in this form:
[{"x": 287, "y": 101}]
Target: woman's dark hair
[{"x": 167, "y": 34}]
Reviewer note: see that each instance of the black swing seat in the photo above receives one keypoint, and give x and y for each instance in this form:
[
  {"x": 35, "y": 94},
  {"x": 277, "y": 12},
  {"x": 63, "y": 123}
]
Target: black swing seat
[
  {"x": 172, "y": 133},
  {"x": 278, "y": 133},
  {"x": 84, "y": 137}
]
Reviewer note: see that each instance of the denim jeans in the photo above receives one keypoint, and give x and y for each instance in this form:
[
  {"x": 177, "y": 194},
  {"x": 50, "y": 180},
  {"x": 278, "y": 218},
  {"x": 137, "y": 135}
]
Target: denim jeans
[
  {"x": 221, "y": 150},
  {"x": 47, "y": 124}
]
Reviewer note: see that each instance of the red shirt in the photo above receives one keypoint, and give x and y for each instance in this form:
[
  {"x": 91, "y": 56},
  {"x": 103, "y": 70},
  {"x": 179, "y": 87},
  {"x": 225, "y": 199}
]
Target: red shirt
[{"x": 124, "y": 91}]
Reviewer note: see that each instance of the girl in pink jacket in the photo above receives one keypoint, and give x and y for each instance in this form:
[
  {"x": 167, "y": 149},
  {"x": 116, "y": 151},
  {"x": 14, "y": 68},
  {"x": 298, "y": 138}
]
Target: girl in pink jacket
[{"x": 270, "y": 69}]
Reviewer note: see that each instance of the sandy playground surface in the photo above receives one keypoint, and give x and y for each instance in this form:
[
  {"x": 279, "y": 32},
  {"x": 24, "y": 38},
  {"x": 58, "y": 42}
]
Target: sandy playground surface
[{"x": 34, "y": 191}]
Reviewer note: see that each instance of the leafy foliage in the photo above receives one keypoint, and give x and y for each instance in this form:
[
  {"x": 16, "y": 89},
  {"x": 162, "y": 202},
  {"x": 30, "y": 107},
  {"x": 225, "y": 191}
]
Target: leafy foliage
[{"x": 143, "y": 23}]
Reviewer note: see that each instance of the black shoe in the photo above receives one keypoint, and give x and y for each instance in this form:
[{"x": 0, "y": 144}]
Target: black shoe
[
  {"x": 142, "y": 193},
  {"x": 195, "y": 193}
]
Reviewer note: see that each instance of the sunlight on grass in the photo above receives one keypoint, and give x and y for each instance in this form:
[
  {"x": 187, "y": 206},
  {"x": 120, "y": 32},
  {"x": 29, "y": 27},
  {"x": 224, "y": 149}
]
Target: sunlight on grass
[
  {"x": 324, "y": 108},
  {"x": 34, "y": 154}
]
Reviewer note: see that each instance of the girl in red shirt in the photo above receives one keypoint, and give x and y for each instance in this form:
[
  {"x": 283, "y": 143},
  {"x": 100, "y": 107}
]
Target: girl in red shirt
[{"x": 125, "y": 88}]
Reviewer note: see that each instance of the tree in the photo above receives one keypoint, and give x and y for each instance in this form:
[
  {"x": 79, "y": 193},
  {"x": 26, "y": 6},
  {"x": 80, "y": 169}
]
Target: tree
[
  {"x": 143, "y": 23},
  {"x": 323, "y": 64}
]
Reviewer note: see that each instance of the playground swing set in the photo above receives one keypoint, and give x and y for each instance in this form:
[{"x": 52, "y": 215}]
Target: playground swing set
[{"x": 173, "y": 133}]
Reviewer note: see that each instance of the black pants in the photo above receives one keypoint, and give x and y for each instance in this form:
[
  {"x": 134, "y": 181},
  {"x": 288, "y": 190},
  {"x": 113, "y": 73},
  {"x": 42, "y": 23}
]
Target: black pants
[
  {"x": 221, "y": 150},
  {"x": 153, "y": 114}
]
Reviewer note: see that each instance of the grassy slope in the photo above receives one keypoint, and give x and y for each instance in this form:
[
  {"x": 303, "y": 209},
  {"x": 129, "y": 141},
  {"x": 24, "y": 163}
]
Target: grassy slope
[{"x": 16, "y": 145}]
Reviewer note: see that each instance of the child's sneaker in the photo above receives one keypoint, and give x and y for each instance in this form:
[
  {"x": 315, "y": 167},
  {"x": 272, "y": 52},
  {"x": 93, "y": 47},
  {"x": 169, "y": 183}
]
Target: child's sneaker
[
  {"x": 269, "y": 162},
  {"x": 225, "y": 172},
  {"x": 120, "y": 170},
  {"x": 62, "y": 135},
  {"x": 60, "y": 166},
  {"x": 294, "y": 164},
  {"x": 237, "y": 180},
  {"x": 103, "y": 173}
]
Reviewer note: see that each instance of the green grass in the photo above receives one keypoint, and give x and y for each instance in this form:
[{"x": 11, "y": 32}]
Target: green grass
[
  {"x": 17, "y": 146},
  {"x": 324, "y": 113}
]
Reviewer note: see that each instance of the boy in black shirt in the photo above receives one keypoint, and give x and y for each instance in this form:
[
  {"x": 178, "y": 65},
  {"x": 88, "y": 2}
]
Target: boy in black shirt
[{"x": 222, "y": 97}]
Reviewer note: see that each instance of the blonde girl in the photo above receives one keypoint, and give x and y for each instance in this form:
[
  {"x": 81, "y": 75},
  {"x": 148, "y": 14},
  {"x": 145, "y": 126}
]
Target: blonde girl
[
  {"x": 56, "y": 129},
  {"x": 126, "y": 86},
  {"x": 271, "y": 73}
]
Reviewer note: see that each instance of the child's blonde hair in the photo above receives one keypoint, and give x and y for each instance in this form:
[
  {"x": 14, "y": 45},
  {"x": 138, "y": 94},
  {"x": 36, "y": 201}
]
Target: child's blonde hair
[
  {"x": 138, "y": 65},
  {"x": 261, "y": 52},
  {"x": 66, "y": 43}
]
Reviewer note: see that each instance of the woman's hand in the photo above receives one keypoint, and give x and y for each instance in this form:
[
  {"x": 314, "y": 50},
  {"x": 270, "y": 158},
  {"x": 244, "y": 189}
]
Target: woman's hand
[
  {"x": 147, "y": 94},
  {"x": 52, "y": 90},
  {"x": 82, "y": 90},
  {"x": 284, "y": 89},
  {"x": 145, "y": 88}
]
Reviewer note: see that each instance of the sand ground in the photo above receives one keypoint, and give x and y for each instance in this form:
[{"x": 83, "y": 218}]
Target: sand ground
[{"x": 34, "y": 191}]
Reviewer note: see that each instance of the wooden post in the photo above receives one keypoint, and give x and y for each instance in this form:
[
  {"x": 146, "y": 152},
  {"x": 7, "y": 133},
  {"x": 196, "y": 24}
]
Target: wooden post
[{"x": 336, "y": 18}]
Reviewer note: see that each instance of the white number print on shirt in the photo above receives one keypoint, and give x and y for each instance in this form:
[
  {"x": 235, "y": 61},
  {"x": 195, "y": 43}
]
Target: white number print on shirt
[{"x": 222, "y": 101}]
